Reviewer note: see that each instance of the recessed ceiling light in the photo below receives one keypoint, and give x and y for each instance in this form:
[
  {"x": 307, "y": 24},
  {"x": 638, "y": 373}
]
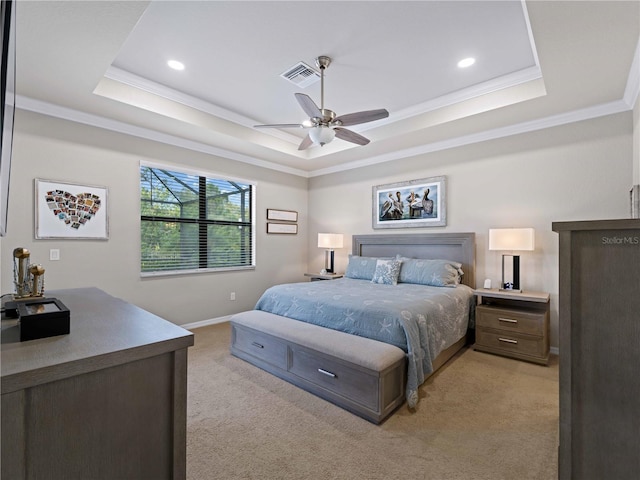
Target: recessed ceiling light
[
  {"x": 466, "y": 62},
  {"x": 176, "y": 65}
]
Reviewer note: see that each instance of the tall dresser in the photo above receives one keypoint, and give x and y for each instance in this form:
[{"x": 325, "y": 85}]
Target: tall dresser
[
  {"x": 599, "y": 310},
  {"x": 107, "y": 401}
]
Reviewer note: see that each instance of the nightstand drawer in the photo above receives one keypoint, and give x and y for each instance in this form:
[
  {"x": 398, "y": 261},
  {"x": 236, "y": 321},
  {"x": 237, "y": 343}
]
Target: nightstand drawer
[
  {"x": 519, "y": 321},
  {"x": 510, "y": 342}
]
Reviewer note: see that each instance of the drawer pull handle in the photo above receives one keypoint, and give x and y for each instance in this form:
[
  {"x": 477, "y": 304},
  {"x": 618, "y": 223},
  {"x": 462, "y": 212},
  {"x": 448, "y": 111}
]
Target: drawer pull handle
[
  {"x": 328, "y": 374},
  {"x": 508, "y": 340},
  {"x": 508, "y": 320},
  {"x": 256, "y": 344}
]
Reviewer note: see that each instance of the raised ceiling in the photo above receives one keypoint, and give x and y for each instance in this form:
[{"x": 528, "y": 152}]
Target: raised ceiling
[{"x": 537, "y": 64}]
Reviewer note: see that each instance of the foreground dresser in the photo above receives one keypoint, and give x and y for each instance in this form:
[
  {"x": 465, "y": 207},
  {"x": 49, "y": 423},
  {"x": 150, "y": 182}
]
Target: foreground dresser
[
  {"x": 107, "y": 401},
  {"x": 599, "y": 317}
]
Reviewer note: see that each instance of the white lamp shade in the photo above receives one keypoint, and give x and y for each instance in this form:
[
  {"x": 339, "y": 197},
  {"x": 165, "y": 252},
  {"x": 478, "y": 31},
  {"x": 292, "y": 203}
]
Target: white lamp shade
[
  {"x": 511, "y": 239},
  {"x": 330, "y": 240},
  {"x": 321, "y": 135}
]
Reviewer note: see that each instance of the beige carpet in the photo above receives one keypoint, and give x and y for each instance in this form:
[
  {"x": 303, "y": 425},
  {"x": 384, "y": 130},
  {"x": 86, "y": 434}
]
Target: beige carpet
[{"x": 481, "y": 417}]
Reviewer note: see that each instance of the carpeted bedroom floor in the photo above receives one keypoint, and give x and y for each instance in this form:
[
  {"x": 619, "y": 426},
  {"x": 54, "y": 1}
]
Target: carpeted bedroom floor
[{"x": 480, "y": 417}]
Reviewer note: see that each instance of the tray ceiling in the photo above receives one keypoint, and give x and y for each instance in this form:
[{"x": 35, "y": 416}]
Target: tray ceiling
[{"x": 534, "y": 61}]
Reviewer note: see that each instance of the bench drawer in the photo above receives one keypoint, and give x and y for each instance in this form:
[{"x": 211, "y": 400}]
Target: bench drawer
[
  {"x": 352, "y": 383},
  {"x": 261, "y": 346}
]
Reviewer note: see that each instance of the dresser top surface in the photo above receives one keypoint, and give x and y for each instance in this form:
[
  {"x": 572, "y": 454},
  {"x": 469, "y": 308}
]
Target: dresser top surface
[
  {"x": 101, "y": 326},
  {"x": 619, "y": 224}
]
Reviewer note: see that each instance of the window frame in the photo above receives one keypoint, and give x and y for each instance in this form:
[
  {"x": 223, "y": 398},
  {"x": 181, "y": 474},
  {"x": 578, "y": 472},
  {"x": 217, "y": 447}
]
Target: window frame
[{"x": 203, "y": 222}]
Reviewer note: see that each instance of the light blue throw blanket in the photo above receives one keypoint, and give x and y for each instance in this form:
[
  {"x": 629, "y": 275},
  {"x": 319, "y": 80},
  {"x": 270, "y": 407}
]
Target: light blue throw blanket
[{"x": 421, "y": 320}]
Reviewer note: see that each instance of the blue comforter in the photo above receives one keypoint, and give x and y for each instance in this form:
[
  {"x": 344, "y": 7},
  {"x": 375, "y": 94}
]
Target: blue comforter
[{"x": 419, "y": 319}]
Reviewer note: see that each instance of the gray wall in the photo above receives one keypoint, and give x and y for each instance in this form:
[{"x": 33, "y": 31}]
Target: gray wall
[
  {"x": 55, "y": 149},
  {"x": 580, "y": 171}
]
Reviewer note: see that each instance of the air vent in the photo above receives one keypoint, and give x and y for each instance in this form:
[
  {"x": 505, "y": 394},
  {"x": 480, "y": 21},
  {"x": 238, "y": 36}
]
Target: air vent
[{"x": 301, "y": 75}]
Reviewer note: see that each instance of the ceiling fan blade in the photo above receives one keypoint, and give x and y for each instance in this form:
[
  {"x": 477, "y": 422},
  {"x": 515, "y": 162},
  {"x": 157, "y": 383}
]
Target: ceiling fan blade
[
  {"x": 306, "y": 143},
  {"x": 309, "y": 107},
  {"x": 361, "y": 117},
  {"x": 350, "y": 136},
  {"x": 280, "y": 125}
]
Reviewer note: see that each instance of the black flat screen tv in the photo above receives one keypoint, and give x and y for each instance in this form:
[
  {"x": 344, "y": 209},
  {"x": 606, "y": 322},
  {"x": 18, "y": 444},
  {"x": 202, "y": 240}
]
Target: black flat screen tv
[{"x": 7, "y": 105}]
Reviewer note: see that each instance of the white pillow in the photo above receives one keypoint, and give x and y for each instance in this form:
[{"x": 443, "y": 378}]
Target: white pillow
[{"x": 387, "y": 272}]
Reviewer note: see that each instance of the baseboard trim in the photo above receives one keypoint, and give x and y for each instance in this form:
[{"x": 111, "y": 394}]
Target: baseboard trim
[{"x": 205, "y": 323}]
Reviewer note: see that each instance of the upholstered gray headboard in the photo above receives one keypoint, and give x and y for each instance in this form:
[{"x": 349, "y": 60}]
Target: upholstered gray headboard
[{"x": 460, "y": 247}]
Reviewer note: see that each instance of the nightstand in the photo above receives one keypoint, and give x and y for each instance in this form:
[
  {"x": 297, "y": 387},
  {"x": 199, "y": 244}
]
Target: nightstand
[
  {"x": 323, "y": 276},
  {"x": 513, "y": 324}
]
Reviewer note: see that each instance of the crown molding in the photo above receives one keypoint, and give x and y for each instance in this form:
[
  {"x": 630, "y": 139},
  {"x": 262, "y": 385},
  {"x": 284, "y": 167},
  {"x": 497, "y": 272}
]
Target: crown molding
[
  {"x": 631, "y": 93},
  {"x": 495, "y": 85},
  {"x": 64, "y": 113},
  {"x": 149, "y": 86},
  {"x": 588, "y": 113}
]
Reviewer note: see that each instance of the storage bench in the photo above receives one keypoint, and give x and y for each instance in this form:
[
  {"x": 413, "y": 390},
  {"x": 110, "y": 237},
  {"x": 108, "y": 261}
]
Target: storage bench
[{"x": 364, "y": 376}]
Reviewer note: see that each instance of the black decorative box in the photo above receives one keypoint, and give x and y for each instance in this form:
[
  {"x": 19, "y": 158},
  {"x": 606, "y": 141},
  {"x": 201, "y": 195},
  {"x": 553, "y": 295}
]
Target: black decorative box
[{"x": 44, "y": 317}]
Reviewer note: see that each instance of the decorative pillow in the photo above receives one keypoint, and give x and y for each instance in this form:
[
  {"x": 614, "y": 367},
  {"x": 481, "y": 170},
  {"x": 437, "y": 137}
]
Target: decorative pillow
[
  {"x": 360, "y": 267},
  {"x": 387, "y": 272},
  {"x": 437, "y": 273}
]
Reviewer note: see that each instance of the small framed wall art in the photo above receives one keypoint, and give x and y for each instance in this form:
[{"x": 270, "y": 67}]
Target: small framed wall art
[
  {"x": 282, "y": 215},
  {"x": 70, "y": 211},
  {"x": 286, "y": 228}
]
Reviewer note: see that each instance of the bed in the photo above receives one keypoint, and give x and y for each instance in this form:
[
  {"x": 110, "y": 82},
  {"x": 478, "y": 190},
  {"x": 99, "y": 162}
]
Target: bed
[{"x": 368, "y": 341}]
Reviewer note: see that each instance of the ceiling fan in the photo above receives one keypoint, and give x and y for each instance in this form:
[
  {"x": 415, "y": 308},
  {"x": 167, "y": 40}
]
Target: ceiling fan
[{"x": 323, "y": 123}]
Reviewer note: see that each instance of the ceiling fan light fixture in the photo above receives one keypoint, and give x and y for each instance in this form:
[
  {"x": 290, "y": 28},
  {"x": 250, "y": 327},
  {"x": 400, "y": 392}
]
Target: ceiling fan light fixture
[
  {"x": 323, "y": 124},
  {"x": 321, "y": 135}
]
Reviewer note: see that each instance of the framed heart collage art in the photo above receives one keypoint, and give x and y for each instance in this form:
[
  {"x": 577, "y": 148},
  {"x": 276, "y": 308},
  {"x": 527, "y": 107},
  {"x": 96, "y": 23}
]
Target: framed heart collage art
[{"x": 70, "y": 211}]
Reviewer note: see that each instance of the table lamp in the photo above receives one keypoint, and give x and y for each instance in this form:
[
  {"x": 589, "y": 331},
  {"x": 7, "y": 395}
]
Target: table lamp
[
  {"x": 329, "y": 241},
  {"x": 511, "y": 239}
]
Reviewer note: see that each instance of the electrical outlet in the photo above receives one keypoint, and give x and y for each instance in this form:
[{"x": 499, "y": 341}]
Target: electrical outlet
[
  {"x": 232, "y": 296},
  {"x": 54, "y": 254}
]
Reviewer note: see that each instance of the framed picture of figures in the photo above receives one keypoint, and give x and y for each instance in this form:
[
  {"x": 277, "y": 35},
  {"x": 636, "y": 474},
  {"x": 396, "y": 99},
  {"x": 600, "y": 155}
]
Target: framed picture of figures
[{"x": 415, "y": 203}]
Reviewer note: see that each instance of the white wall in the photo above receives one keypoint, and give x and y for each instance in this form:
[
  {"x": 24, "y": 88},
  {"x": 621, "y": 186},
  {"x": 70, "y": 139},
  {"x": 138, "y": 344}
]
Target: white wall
[
  {"x": 636, "y": 142},
  {"x": 54, "y": 149},
  {"x": 575, "y": 172}
]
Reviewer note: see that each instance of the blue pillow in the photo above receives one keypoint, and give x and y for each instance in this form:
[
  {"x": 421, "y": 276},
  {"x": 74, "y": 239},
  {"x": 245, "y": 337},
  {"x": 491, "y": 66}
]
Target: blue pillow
[
  {"x": 360, "y": 267},
  {"x": 387, "y": 272},
  {"x": 437, "y": 273}
]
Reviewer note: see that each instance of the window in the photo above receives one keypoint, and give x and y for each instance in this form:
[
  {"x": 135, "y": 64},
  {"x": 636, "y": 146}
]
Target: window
[{"x": 190, "y": 222}]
